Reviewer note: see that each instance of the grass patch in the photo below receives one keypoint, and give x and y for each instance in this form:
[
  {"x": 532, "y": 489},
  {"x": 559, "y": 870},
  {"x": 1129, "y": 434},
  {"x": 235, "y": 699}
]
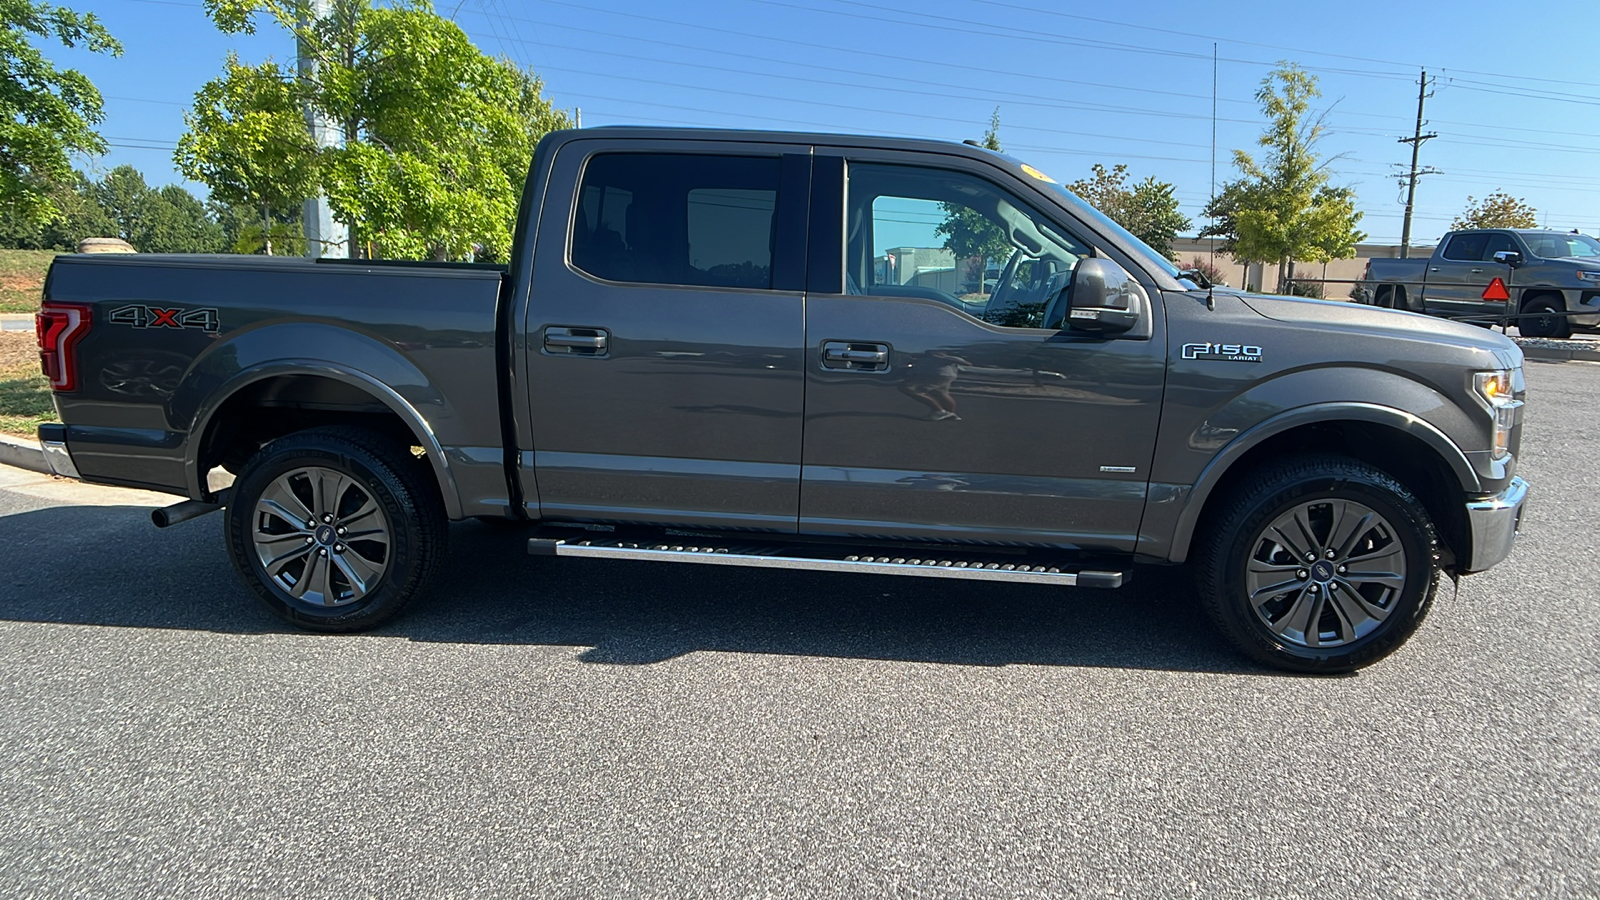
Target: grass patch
[
  {"x": 21, "y": 278},
  {"x": 24, "y": 394}
]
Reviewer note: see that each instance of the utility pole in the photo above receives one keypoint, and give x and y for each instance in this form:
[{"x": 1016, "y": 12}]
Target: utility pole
[
  {"x": 1410, "y": 181},
  {"x": 324, "y": 236}
]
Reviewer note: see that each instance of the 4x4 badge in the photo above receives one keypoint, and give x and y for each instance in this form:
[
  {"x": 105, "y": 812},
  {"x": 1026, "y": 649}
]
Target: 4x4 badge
[{"x": 140, "y": 316}]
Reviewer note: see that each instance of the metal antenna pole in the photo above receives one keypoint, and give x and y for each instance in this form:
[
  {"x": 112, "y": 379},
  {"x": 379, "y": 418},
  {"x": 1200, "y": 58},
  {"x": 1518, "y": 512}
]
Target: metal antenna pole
[
  {"x": 1415, "y": 141},
  {"x": 324, "y": 236}
]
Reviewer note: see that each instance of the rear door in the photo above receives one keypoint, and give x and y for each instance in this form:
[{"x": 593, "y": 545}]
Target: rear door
[
  {"x": 1453, "y": 275},
  {"x": 665, "y": 333},
  {"x": 943, "y": 398}
]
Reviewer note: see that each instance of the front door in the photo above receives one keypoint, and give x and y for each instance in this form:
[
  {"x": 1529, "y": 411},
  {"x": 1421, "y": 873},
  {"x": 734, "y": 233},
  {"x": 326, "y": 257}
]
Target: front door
[
  {"x": 944, "y": 400},
  {"x": 665, "y": 331}
]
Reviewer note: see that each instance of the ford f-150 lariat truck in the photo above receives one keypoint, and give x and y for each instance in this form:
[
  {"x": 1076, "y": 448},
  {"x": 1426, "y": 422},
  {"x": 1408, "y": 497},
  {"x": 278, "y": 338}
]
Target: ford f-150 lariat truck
[
  {"x": 1546, "y": 282},
  {"x": 758, "y": 349}
]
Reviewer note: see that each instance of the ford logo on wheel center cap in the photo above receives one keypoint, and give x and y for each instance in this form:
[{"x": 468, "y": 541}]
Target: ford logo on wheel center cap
[
  {"x": 1322, "y": 570},
  {"x": 325, "y": 535}
]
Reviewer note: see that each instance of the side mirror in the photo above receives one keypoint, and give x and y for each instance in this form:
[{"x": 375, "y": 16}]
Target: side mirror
[
  {"x": 1508, "y": 258},
  {"x": 1105, "y": 298}
]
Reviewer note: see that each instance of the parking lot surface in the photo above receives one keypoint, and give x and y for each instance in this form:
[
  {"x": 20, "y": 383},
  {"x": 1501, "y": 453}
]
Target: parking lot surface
[{"x": 569, "y": 728}]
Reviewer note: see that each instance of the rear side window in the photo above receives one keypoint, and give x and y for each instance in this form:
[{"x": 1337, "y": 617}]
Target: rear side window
[
  {"x": 1467, "y": 247},
  {"x": 656, "y": 218}
]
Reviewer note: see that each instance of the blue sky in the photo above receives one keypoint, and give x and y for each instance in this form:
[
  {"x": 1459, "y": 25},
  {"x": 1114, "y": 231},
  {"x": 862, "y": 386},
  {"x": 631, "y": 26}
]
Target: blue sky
[{"x": 1076, "y": 84}]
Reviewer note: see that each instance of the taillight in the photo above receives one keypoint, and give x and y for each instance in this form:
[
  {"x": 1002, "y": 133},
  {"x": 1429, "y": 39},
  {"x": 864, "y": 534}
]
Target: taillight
[{"x": 61, "y": 326}]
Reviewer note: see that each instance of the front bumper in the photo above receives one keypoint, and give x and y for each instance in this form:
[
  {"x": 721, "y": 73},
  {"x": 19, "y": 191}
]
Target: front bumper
[
  {"x": 1494, "y": 522},
  {"x": 53, "y": 440}
]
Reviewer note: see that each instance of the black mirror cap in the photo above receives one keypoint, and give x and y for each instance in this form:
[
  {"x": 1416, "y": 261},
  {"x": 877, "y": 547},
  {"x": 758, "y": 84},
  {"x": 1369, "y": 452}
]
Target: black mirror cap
[
  {"x": 1508, "y": 258},
  {"x": 1104, "y": 298}
]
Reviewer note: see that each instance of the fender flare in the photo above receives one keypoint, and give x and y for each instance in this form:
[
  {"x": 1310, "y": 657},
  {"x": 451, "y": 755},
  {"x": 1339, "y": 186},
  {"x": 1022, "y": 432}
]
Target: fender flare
[
  {"x": 321, "y": 369},
  {"x": 1371, "y": 413}
]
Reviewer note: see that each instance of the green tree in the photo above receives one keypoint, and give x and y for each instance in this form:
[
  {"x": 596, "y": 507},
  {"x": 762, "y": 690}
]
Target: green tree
[
  {"x": 968, "y": 234},
  {"x": 45, "y": 113},
  {"x": 1148, "y": 208},
  {"x": 1283, "y": 209},
  {"x": 243, "y": 230},
  {"x": 247, "y": 141},
  {"x": 437, "y": 137},
  {"x": 169, "y": 220},
  {"x": 1498, "y": 210}
]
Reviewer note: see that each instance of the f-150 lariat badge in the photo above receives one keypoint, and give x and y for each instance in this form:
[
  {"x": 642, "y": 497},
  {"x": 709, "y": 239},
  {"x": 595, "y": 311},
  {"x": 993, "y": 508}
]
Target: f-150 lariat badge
[
  {"x": 140, "y": 316},
  {"x": 1228, "y": 352}
]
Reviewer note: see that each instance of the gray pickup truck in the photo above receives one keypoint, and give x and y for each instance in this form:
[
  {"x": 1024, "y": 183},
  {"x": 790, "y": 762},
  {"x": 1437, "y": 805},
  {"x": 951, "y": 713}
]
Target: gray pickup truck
[
  {"x": 757, "y": 349},
  {"x": 1549, "y": 281}
]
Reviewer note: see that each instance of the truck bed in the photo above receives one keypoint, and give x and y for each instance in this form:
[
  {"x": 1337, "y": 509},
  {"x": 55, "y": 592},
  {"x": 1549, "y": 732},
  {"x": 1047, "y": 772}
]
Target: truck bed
[{"x": 169, "y": 336}]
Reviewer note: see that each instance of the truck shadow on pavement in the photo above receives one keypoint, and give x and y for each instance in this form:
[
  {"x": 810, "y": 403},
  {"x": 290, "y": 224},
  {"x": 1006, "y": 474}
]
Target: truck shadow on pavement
[{"x": 107, "y": 566}]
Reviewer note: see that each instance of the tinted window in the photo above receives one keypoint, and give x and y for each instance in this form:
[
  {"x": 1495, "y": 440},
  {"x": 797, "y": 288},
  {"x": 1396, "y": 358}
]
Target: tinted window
[
  {"x": 1497, "y": 243},
  {"x": 1466, "y": 247},
  {"x": 677, "y": 219},
  {"x": 958, "y": 240}
]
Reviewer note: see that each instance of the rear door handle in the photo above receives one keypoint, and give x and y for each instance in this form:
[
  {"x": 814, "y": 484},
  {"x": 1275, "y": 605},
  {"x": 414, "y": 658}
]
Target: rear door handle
[
  {"x": 575, "y": 341},
  {"x": 1434, "y": 269},
  {"x": 855, "y": 356},
  {"x": 1476, "y": 271}
]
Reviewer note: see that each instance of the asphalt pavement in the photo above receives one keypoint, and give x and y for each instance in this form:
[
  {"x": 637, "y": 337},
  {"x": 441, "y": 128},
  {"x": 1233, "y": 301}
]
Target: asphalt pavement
[{"x": 572, "y": 728}]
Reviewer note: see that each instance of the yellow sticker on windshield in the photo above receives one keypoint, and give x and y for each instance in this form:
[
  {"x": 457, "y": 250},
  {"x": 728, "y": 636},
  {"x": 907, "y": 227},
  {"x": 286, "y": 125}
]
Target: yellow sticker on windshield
[{"x": 1037, "y": 174}]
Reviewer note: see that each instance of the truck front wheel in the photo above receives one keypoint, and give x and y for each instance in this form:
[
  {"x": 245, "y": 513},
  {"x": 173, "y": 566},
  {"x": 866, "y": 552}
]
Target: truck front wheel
[
  {"x": 335, "y": 529},
  {"x": 1542, "y": 317},
  {"x": 1318, "y": 564}
]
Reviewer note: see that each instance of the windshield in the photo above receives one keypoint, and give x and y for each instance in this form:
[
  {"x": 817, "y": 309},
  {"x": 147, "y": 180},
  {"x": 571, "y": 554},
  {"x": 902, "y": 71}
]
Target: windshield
[
  {"x": 1560, "y": 246},
  {"x": 1078, "y": 206}
]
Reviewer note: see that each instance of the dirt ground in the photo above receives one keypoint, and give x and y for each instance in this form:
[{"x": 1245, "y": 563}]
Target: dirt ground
[{"x": 18, "y": 349}]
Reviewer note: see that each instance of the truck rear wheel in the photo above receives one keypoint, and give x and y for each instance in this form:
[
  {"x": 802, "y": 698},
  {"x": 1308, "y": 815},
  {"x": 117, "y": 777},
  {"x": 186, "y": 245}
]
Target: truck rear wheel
[
  {"x": 1319, "y": 564},
  {"x": 335, "y": 529}
]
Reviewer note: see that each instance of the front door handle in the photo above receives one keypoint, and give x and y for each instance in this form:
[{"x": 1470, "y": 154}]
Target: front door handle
[
  {"x": 855, "y": 356},
  {"x": 575, "y": 341},
  {"x": 1434, "y": 269},
  {"x": 1476, "y": 271}
]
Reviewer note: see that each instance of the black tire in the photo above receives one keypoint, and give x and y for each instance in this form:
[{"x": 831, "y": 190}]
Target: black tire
[
  {"x": 1238, "y": 545},
  {"x": 388, "y": 519},
  {"x": 1550, "y": 326},
  {"x": 1384, "y": 298}
]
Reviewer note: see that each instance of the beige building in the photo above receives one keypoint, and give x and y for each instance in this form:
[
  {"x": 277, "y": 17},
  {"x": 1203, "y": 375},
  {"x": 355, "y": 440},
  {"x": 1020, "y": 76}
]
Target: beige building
[{"x": 1337, "y": 277}]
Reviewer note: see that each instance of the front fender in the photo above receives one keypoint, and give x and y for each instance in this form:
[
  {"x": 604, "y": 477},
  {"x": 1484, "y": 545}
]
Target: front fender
[{"x": 325, "y": 351}]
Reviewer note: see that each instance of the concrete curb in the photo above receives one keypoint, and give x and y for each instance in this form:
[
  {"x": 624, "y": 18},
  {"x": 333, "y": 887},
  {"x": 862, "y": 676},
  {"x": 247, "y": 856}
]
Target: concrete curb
[
  {"x": 22, "y": 453},
  {"x": 1550, "y": 349}
]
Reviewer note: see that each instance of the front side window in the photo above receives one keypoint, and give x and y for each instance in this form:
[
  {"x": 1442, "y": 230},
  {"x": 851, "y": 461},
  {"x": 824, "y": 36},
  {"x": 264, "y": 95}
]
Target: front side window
[
  {"x": 958, "y": 240},
  {"x": 657, "y": 218}
]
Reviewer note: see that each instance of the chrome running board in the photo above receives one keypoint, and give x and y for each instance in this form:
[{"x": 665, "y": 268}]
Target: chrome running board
[{"x": 932, "y": 563}]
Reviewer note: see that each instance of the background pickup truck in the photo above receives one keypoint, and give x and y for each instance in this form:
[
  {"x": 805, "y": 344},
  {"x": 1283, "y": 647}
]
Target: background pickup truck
[
  {"x": 1553, "y": 273},
  {"x": 747, "y": 349}
]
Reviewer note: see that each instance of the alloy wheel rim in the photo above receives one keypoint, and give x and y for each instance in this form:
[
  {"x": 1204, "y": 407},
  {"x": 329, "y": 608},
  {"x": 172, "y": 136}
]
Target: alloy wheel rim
[
  {"x": 1325, "y": 573},
  {"x": 321, "y": 536}
]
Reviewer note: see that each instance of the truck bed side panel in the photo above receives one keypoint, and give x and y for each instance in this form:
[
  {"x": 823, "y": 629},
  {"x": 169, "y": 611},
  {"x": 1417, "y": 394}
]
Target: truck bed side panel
[{"x": 418, "y": 341}]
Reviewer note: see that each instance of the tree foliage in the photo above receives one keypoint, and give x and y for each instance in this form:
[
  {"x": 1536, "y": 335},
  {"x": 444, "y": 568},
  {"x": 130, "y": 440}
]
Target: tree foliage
[
  {"x": 45, "y": 113},
  {"x": 1148, "y": 208},
  {"x": 1498, "y": 210},
  {"x": 123, "y": 205},
  {"x": 968, "y": 234},
  {"x": 247, "y": 140},
  {"x": 1283, "y": 208},
  {"x": 436, "y": 136}
]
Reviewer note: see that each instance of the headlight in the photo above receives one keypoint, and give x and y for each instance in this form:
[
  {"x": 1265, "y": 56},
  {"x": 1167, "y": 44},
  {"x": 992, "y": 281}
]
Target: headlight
[
  {"x": 1494, "y": 387},
  {"x": 1592, "y": 275},
  {"x": 1499, "y": 390}
]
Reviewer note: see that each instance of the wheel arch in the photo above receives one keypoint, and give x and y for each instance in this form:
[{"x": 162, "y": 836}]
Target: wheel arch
[
  {"x": 359, "y": 388},
  {"x": 1409, "y": 448}
]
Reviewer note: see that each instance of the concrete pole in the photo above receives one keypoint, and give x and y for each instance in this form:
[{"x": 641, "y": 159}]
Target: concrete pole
[{"x": 324, "y": 236}]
